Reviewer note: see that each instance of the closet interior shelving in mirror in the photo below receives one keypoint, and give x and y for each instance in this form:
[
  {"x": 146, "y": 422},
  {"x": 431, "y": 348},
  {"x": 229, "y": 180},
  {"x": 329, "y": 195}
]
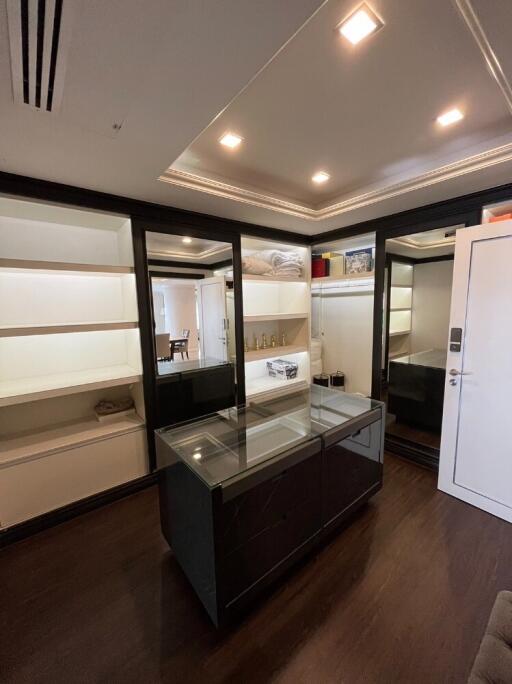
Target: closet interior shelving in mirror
[
  {"x": 68, "y": 337},
  {"x": 400, "y": 310},
  {"x": 276, "y": 306}
]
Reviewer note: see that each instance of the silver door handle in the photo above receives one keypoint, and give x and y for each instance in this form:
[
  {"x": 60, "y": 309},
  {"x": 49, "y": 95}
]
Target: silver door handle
[{"x": 454, "y": 372}]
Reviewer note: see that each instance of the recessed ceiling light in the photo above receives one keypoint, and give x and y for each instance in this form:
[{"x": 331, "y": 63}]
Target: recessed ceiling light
[
  {"x": 320, "y": 177},
  {"x": 230, "y": 140},
  {"x": 186, "y": 240},
  {"x": 450, "y": 117},
  {"x": 360, "y": 24}
]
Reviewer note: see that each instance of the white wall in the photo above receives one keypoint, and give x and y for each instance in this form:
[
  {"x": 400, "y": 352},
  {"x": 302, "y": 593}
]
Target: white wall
[
  {"x": 180, "y": 309},
  {"x": 431, "y": 305},
  {"x": 347, "y": 324}
]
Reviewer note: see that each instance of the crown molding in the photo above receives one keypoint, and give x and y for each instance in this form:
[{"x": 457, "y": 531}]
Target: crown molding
[
  {"x": 472, "y": 164},
  {"x": 191, "y": 181},
  {"x": 472, "y": 21},
  {"x": 190, "y": 256},
  {"x": 413, "y": 244}
]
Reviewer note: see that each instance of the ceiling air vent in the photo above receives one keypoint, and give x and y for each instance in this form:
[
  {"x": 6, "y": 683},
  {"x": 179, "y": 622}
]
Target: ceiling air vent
[{"x": 39, "y": 38}]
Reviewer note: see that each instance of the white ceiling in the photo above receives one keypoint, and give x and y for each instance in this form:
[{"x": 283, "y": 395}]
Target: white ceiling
[
  {"x": 176, "y": 75},
  {"x": 172, "y": 248},
  {"x": 431, "y": 243}
]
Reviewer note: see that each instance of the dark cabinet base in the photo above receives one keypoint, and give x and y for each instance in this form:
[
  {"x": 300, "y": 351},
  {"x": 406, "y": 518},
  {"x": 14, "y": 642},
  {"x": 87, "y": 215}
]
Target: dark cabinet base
[{"x": 233, "y": 541}]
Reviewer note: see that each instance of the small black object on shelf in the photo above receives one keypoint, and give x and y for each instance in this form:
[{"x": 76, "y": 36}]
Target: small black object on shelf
[
  {"x": 321, "y": 379},
  {"x": 338, "y": 380}
]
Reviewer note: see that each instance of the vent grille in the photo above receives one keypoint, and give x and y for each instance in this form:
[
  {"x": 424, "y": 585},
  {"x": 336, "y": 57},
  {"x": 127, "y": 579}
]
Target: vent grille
[{"x": 39, "y": 38}]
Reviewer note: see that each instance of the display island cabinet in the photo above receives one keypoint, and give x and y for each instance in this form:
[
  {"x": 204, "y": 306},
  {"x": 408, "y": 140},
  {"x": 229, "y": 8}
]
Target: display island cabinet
[{"x": 245, "y": 493}]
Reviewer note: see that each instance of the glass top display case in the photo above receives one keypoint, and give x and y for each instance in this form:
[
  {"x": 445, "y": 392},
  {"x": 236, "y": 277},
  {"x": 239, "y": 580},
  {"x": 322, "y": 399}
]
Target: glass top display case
[
  {"x": 231, "y": 442},
  {"x": 432, "y": 358}
]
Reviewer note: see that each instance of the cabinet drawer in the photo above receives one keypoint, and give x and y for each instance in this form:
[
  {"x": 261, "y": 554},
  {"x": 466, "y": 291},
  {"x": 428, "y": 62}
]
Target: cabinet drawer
[
  {"x": 352, "y": 466},
  {"x": 254, "y": 559},
  {"x": 265, "y": 504}
]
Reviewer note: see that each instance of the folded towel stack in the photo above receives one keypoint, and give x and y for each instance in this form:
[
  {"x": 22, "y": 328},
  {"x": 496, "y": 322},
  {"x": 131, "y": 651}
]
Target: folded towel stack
[{"x": 273, "y": 262}]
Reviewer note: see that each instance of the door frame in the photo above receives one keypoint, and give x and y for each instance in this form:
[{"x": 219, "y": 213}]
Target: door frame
[
  {"x": 450, "y": 434},
  {"x": 201, "y": 309},
  {"x": 140, "y": 227},
  {"x": 427, "y": 456}
]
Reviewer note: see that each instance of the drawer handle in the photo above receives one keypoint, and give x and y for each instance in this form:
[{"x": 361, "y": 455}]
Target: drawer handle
[
  {"x": 280, "y": 476},
  {"x": 356, "y": 434}
]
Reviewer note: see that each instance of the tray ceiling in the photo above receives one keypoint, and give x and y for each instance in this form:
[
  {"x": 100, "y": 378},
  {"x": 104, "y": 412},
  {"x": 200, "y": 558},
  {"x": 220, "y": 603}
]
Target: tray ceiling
[
  {"x": 366, "y": 114},
  {"x": 172, "y": 247}
]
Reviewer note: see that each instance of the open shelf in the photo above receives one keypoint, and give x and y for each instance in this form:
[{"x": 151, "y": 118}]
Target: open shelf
[
  {"x": 256, "y": 318},
  {"x": 397, "y": 354},
  {"x": 398, "y": 308},
  {"x": 271, "y": 279},
  {"x": 264, "y": 385},
  {"x": 67, "y": 267},
  {"x": 23, "y": 330},
  {"x": 29, "y": 445},
  {"x": 346, "y": 276},
  {"x": 497, "y": 210},
  {"x": 21, "y": 390},
  {"x": 396, "y": 333},
  {"x": 273, "y": 352}
]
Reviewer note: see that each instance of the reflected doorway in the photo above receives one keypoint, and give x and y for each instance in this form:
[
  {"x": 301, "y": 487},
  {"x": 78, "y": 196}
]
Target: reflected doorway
[{"x": 417, "y": 297}]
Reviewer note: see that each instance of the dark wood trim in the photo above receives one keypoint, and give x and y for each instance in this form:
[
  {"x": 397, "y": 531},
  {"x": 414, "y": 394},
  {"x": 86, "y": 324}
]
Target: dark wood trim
[
  {"x": 179, "y": 264},
  {"x": 431, "y": 260},
  {"x": 239, "y": 321},
  {"x": 146, "y": 327},
  {"x": 419, "y": 453},
  {"x": 400, "y": 258},
  {"x": 60, "y": 515},
  {"x": 462, "y": 209},
  {"x": 378, "y": 310},
  {"x": 49, "y": 191},
  {"x": 221, "y": 264},
  {"x": 174, "y": 275},
  {"x": 410, "y": 260},
  {"x": 389, "y": 273}
]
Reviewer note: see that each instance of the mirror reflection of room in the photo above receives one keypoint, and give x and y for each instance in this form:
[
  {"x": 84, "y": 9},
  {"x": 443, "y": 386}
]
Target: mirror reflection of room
[
  {"x": 193, "y": 302},
  {"x": 417, "y": 296},
  {"x": 342, "y": 314}
]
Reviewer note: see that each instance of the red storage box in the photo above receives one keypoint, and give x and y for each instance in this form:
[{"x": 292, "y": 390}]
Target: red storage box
[
  {"x": 319, "y": 268},
  {"x": 503, "y": 217}
]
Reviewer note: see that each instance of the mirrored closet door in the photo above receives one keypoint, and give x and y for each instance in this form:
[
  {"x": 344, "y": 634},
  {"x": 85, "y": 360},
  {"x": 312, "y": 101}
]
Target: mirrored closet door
[
  {"x": 191, "y": 296},
  {"x": 417, "y": 296}
]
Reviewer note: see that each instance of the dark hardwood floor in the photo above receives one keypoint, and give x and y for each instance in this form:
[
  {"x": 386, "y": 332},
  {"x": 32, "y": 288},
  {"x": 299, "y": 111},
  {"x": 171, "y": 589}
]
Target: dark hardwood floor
[{"x": 401, "y": 595}]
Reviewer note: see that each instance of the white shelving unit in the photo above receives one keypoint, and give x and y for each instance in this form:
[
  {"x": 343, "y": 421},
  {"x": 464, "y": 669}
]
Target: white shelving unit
[
  {"x": 342, "y": 306},
  {"x": 68, "y": 337},
  {"x": 259, "y": 318},
  {"x": 345, "y": 277},
  {"x": 276, "y": 306},
  {"x": 400, "y": 312},
  {"x": 493, "y": 211}
]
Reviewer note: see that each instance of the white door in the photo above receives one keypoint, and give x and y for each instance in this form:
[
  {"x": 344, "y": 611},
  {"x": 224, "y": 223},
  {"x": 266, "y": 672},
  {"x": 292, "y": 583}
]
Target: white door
[
  {"x": 159, "y": 312},
  {"x": 213, "y": 323},
  {"x": 476, "y": 445}
]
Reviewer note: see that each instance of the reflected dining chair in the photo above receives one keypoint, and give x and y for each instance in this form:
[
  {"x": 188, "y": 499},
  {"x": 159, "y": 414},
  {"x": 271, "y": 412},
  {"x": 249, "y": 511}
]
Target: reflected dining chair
[
  {"x": 182, "y": 346},
  {"x": 163, "y": 352}
]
